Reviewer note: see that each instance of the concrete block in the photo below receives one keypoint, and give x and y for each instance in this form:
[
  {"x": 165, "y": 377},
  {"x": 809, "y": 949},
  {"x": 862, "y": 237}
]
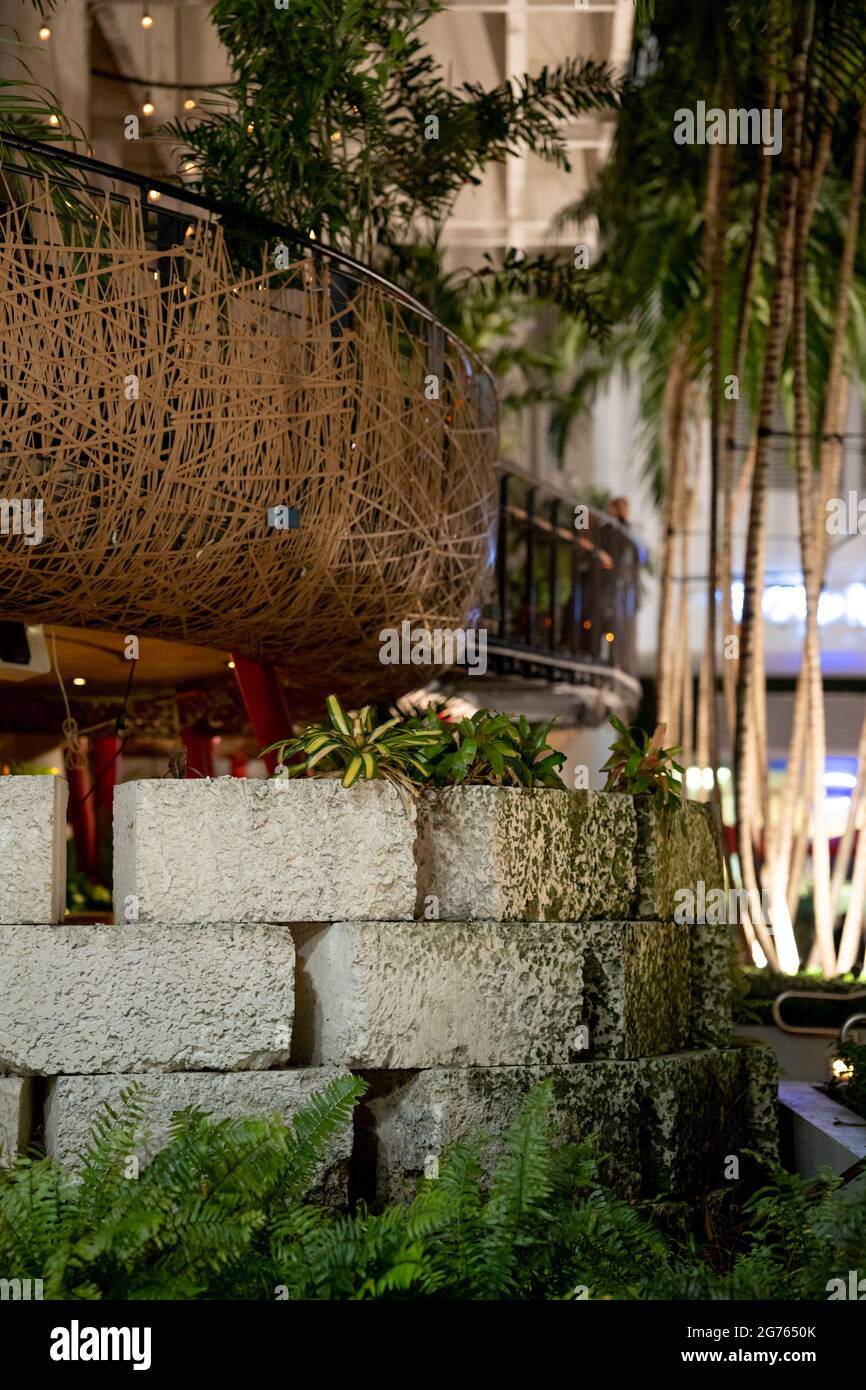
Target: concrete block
[
  {"x": 429, "y": 994},
  {"x": 32, "y": 849},
  {"x": 821, "y": 1134},
  {"x": 125, "y": 999},
  {"x": 710, "y": 949},
  {"x": 635, "y": 988},
  {"x": 16, "y": 1116},
  {"x": 678, "y": 847},
  {"x": 408, "y": 1119},
  {"x": 506, "y": 854},
  {"x": 699, "y": 1110},
  {"x": 236, "y": 850},
  {"x": 74, "y": 1102}
]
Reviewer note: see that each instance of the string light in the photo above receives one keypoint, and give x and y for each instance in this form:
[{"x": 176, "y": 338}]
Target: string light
[
  {"x": 189, "y": 104},
  {"x": 251, "y": 127},
  {"x": 146, "y": 20},
  {"x": 45, "y": 32},
  {"x": 78, "y": 680},
  {"x": 148, "y": 107},
  {"x": 53, "y": 120},
  {"x": 153, "y": 195}
]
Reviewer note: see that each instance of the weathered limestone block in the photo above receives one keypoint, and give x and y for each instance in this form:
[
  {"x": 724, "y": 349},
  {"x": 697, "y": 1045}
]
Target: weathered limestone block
[
  {"x": 74, "y": 1102},
  {"x": 32, "y": 849},
  {"x": 430, "y": 994},
  {"x": 635, "y": 988},
  {"x": 16, "y": 1116},
  {"x": 144, "y": 998},
  {"x": 235, "y": 850},
  {"x": 710, "y": 949},
  {"x": 407, "y": 1119},
  {"x": 678, "y": 848},
  {"x": 506, "y": 854},
  {"x": 699, "y": 1109},
  {"x": 761, "y": 1069}
]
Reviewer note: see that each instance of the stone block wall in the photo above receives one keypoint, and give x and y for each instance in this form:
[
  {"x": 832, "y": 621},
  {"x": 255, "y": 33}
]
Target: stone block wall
[{"x": 452, "y": 951}]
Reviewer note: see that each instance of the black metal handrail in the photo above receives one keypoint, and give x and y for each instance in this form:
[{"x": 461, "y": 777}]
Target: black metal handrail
[
  {"x": 564, "y": 595},
  {"x": 237, "y": 219}
]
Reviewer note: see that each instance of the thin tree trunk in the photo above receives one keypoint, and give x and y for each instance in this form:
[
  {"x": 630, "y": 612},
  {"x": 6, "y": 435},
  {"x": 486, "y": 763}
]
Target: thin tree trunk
[
  {"x": 674, "y": 408},
  {"x": 812, "y": 652},
  {"x": 753, "y": 582}
]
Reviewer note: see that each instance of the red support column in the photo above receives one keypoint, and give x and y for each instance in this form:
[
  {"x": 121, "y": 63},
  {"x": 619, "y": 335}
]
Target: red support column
[
  {"x": 199, "y": 753},
  {"x": 82, "y": 815},
  {"x": 263, "y": 698},
  {"x": 106, "y": 760}
]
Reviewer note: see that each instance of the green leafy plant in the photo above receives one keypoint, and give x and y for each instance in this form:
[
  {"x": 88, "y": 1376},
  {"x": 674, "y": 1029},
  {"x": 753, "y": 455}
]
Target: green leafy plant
[
  {"x": 221, "y": 1213},
  {"x": 493, "y": 749},
  {"x": 352, "y": 748},
  {"x": 640, "y": 766}
]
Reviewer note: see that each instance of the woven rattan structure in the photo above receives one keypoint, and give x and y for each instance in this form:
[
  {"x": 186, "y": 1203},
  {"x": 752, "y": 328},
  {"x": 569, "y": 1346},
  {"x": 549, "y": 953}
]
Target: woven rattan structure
[{"x": 160, "y": 399}]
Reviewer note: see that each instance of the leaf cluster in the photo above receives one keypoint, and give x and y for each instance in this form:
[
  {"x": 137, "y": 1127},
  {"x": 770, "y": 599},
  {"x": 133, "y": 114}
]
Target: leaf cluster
[
  {"x": 485, "y": 748},
  {"x": 640, "y": 766}
]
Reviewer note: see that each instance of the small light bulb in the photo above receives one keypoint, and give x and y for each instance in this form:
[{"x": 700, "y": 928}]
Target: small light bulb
[
  {"x": 312, "y": 235},
  {"x": 146, "y": 21},
  {"x": 148, "y": 107},
  {"x": 251, "y": 127},
  {"x": 45, "y": 32},
  {"x": 153, "y": 195},
  {"x": 189, "y": 166},
  {"x": 78, "y": 680},
  {"x": 335, "y": 136},
  {"x": 189, "y": 104},
  {"x": 231, "y": 665},
  {"x": 53, "y": 120}
]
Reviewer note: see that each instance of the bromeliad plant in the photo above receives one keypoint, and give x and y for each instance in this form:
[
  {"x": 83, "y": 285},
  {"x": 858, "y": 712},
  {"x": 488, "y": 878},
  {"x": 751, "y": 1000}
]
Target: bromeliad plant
[
  {"x": 351, "y": 748},
  {"x": 488, "y": 749},
  {"x": 640, "y": 766},
  {"x": 493, "y": 750}
]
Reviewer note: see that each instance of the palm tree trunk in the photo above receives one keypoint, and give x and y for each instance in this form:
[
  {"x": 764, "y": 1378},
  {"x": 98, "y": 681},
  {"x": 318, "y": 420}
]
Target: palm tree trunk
[
  {"x": 812, "y": 653},
  {"x": 753, "y": 581},
  {"x": 674, "y": 408}
]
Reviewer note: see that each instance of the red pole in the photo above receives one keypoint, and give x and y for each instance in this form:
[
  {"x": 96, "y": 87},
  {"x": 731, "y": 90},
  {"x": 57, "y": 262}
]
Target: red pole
[
  {"x": 238, "y": 765},
  {"x": 82, "y": 815},
  {"x": 105, "y": 759},
  {"x": 199, "y": 753},
  {"x": 265, "y": 705}
]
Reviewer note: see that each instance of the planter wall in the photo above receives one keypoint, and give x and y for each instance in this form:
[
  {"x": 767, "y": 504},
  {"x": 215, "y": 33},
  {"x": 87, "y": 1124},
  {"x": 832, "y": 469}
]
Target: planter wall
[
  {"x": 231, "y": 850},
  {"x": 677, "y": 847},
  {"x": 103, "y": 999},
  {"x": 505, "y": 854},
  {"x": 32, "y": 849},
  {"x": 267, "y": 940}
]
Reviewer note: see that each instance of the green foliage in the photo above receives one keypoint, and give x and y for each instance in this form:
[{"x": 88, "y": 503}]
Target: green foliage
[
  {"x": 493, "y": 750},
  {"x": 219, "y": 1214},
  {"x": 640, "y": 766},
  {"x": 490, "y": 749},
  {"x": 351, "y": 747},
  {"x": 188, "y": 1226},
  {"x": 339, "y": 120}
]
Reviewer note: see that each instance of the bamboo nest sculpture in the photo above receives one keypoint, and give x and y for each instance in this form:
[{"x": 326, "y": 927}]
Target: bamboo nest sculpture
[{"x": 159, "y": 401}]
